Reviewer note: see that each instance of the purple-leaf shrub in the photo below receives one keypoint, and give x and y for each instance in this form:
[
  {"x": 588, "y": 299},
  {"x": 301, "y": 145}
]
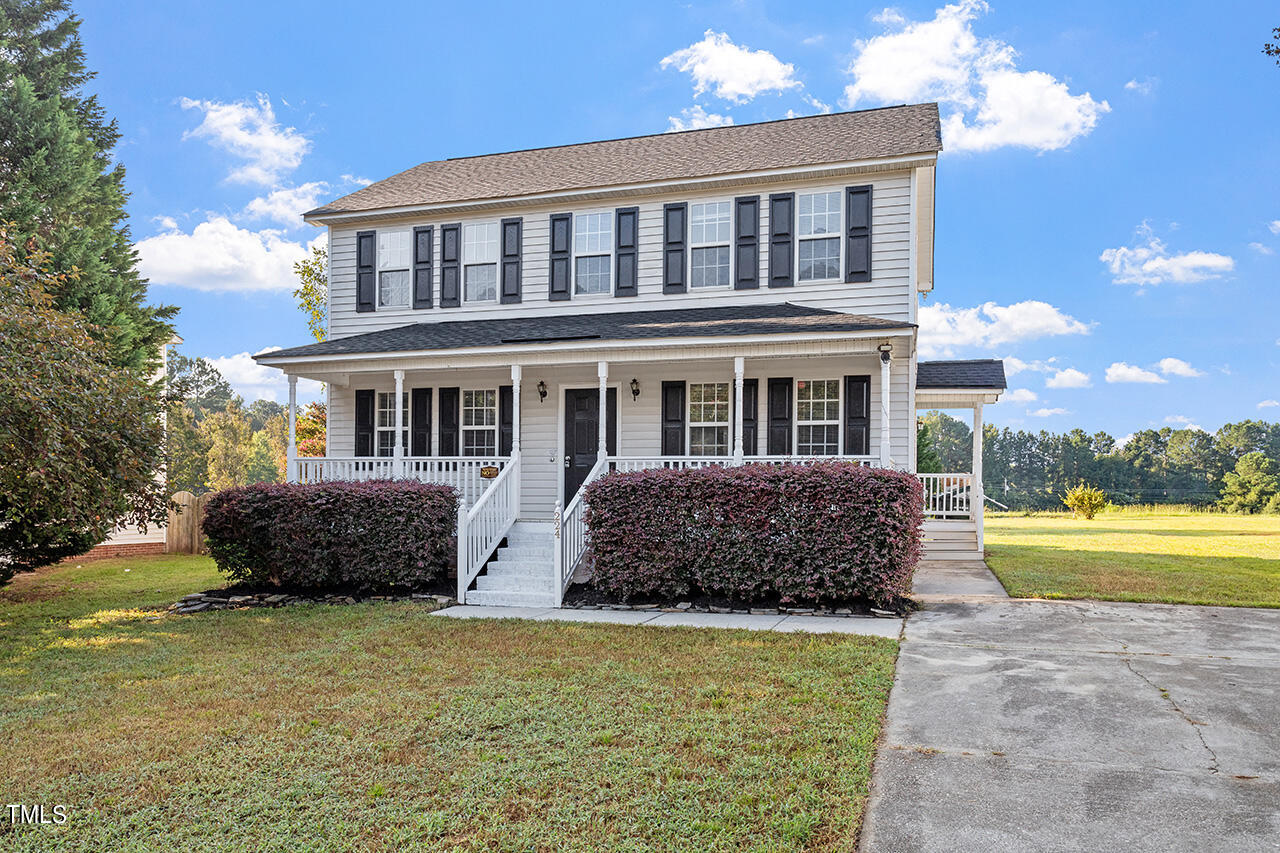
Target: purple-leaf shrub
[
  {"x": 358, "y": 537},
  {"x": 823, "y": 533}
]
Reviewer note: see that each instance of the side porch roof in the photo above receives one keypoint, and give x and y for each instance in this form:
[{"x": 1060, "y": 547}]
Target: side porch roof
[{"x": 963, "y": 383}]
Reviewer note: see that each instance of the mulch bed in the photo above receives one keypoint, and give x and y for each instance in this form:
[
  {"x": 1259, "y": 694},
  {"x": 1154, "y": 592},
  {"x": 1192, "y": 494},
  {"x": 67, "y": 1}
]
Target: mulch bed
[{"x": 581, "y": 596}]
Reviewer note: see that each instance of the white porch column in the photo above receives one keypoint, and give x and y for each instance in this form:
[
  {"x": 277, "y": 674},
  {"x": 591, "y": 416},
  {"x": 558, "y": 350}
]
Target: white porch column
[
  {"x": 516, "y": 373},
  {"x": 885, "y": 378},
  {"x": 291, "y": 475},
  {"x": 602, "y": 371},
  {"x": 398, "y": 465},
  {"x": 739, "y": 368},
  {"x": 976, "y": 491}
]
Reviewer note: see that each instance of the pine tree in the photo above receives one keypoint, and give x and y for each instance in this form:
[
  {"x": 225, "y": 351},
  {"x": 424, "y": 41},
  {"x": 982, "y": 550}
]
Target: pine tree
[{"x": 60, "y": 190}]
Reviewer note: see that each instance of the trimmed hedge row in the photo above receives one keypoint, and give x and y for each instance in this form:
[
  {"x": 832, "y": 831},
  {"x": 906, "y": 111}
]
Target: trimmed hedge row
[
  {"x": 829, "y": 532},
  {"x": 357, "y": 537}
]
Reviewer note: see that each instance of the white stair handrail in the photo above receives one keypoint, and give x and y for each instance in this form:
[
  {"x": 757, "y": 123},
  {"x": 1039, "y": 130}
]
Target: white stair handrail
[
  {"x": 571, "y": 531},
  {"x": 486, "y": 523}
]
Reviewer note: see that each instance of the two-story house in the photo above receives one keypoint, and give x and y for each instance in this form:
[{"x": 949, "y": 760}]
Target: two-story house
[{"x": 518, "y": 324}]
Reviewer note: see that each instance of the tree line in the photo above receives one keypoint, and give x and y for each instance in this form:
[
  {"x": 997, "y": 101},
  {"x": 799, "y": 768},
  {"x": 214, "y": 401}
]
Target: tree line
[{"x": 1236, "y": 468}]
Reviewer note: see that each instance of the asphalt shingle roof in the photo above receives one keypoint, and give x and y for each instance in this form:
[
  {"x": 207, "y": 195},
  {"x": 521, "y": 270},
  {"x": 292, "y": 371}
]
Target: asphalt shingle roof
[
  {"x": 807, "y": 141},
  {"x": 735, "y": 320},
  {"x": 974, "y": 373}
]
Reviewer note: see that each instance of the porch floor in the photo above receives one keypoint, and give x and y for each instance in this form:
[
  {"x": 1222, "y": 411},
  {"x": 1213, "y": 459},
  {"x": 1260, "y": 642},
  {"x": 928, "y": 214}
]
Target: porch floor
[{"x": 864, "y": 625}]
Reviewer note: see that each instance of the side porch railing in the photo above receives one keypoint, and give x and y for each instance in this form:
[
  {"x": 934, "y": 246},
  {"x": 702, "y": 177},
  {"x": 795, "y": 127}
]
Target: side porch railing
[
  {"x": 486, "y": 523},
  {"x": 947, "y": 496},
  {"x": 461, "y": 472}
]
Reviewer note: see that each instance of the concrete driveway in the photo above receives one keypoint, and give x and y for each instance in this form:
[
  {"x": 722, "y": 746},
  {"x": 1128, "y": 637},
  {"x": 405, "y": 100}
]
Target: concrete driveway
[{"x": 1028, "y": 725}]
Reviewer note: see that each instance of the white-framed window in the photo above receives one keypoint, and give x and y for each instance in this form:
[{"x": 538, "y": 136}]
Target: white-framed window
[
  {"x": 480, "y": 262},
  {"x": 592, "y": 253},
  {"x": 708, "y": 418},
  {"x": 386, "y": 422},
  {"x": 818, "y": 233},
  {"x": 818, "y": 417},
  {"x": 393, "y": 269},
  {"x": 480, "y": 422},
  {"x": 710, "y": 231}
]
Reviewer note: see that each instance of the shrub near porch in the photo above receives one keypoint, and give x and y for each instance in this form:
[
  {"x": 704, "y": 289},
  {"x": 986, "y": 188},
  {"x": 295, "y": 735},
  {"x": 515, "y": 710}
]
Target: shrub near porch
[{"x": 828, "y": 532}]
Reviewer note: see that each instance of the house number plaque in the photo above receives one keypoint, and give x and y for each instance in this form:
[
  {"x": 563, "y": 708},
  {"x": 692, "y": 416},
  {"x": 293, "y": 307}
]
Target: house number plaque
[{"x": 488, "y": 472}]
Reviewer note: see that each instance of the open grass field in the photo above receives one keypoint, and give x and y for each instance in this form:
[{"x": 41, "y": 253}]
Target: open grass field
[
  {"x": 379, "y": 726},
  {"x": 1177, "y": 557}
]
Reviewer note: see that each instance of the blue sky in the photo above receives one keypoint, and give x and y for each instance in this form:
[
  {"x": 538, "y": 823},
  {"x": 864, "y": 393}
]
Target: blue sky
[{"x": 1107, "y": 212}]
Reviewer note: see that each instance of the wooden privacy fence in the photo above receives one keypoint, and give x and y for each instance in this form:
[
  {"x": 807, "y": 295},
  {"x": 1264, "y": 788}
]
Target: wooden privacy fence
[{"x": 185, "y": 533}]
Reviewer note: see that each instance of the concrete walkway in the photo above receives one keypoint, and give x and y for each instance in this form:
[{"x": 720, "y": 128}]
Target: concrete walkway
[
  {"x": 1035, "y": 725},
  {"x": 751, "y": 622}
]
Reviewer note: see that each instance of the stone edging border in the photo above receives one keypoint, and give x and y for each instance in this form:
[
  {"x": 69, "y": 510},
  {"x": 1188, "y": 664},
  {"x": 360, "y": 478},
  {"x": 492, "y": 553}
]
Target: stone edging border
[{"x": 199, "y": 602}]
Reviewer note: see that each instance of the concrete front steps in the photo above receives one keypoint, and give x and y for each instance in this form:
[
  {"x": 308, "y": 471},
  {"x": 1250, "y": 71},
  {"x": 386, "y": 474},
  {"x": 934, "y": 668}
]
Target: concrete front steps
[
  {"x": 950, "y": 540},
  {"x": 522, "y": 572}
]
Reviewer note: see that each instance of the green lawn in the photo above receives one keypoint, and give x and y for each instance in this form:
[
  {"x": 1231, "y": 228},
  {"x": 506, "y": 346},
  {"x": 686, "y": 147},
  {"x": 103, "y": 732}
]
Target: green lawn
[
  {"x": 382, "y": 727},
  {"x": 1181, "y": 558}
]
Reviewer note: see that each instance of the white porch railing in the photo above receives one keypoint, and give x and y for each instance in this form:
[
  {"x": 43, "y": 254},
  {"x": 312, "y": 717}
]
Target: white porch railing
[
  {"x": 947, "y": 495},
  {"x": 642, "y": 463},
  {"x": 486, "y": 523},
  {"x": 571, "y": 531},
  {"x": 461, "y": 472}
]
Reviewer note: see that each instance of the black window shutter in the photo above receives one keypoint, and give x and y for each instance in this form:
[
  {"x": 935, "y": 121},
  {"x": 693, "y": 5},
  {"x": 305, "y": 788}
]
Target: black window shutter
[
  {"x": 366, "y": 276},
  {"x": 422, "y": 267},
  {"x": 420, "y": 422},
  {"x": 561, "y": 256},
  {"x": 673, "y": 243},
  {"x": 857, "y": 415},
  {"x": 781, "y": 235},
  {"x": 506, "y": 419},
  {"x": 450, "y": 266},
  {"x": 364, "y": 422},
  {"x": 450, "y": 428},
  {"x": 673, "y": 418},
  {"x": 627, "y": 230},
  {"x": 779, "y": 410},
  {"x": 857, "y": 224},
  {"x": 512, "y": 234},
  {"x": 750, "y": 416},
  {"x": 746, "y": 217}
]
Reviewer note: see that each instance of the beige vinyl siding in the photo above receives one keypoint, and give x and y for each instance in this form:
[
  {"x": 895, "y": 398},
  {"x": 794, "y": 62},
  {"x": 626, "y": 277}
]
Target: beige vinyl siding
[
  {"x": 888, "y": 295},
  {"x": 639, "y": 419}
]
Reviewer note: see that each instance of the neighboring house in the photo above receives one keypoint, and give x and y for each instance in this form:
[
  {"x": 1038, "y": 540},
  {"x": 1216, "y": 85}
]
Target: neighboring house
[
  {"x": 126, "y": 540},
  {"x": 736, "y": 294}
]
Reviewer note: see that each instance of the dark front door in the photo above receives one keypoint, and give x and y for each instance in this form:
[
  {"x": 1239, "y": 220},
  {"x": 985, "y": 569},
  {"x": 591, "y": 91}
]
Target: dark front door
[{"x": 582, "y": 434}]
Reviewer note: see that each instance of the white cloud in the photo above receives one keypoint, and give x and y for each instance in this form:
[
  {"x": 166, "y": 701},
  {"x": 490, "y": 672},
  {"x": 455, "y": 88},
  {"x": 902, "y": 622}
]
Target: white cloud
[
  {"x": 988, "y": 102},
  {"x": 254, "y": 381},
  {"x": 1149, "y": 262},
  {"x": 1268, "y": 404},
  {"x": 1069, "y": 378},
  {"x": 286, "y": 205},
  {"x": 1047, "y": 413},
  {"x": 943, "y": 329},
  {"x": 820, "y": 106},
  {"x": 1121, "y": 372},
  {"x": 1177, "y": 367},
  {"x": 1262, "y": 249},
  {"x": 732, "y": 72},
  {"x": 1019, "y": 395},
  {"x": 696, "y": 118},
  {"x": 1184, "y": 422},
  {"x": 1013, "y": 364},
  {"x": 1145, "y": 86},
  {"x": 1274, "y": 226},
  {"x": 220, "y": 256},
  {"x": 250, "y": 131}
]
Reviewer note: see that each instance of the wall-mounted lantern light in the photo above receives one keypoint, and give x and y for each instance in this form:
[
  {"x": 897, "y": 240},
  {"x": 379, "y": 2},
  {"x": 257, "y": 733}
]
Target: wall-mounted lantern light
[
  {"x": 885, "y": 349},
  {"x": 635, "y": 389},
  {"x": 542, "y": 390}
]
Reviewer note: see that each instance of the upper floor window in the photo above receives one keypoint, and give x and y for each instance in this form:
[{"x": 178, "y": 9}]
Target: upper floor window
[
  {"x": 709, "y": 418},
  {"x": 386, "y": 423},
  {"x": 819, "y": 235},
  {"x": 710, "y": 226},
  {"x": 593, "y": 253},
  {"x": 818, "y": 417},
  {"x": 480, "y": 422},
  {"x": 480, "y": 262},
  {"x": 393, "y": 269}
]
